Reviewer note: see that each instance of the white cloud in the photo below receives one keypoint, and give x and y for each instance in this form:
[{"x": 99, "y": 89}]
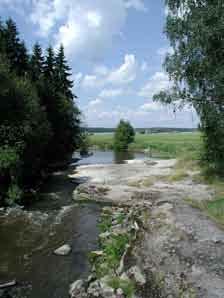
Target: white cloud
[
  {"x": 85, "y": 27},
  {"x": 147, "y": 116},
  {"x": 144, "y": 66},
  {"x": 94, "y": 19},
  {"x": 126, "y": 73},
  {"x": 123, "y": 75},
  {"x": 101, "y": 70},
  {"x": 91, "y": 81},
  {"x": 110, "y": 93},
  {"x": 95, "y": 102},
  {"x": 46, "y": 13},
  {"x": 137, "y": 4},
  {"x": 151, "y": 106},
  {"x": 158, "y": 82}
]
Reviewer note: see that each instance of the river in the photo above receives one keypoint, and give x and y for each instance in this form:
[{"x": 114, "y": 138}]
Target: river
[{"x": 29, "y": 237}]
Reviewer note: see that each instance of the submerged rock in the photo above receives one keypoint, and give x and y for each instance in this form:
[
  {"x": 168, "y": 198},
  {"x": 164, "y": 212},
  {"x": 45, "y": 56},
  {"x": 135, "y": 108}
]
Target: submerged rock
[{"x": 63, "y": 250}]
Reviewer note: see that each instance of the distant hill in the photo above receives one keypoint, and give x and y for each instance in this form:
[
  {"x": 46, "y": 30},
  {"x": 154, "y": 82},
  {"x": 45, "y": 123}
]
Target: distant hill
[{"x": 142, "y": 130}]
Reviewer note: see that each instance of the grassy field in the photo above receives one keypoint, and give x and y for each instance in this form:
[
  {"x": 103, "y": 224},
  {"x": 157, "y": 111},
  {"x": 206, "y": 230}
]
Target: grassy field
[{"x": 160, "y": 144}]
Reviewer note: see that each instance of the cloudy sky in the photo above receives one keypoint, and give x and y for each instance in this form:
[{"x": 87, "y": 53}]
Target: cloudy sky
[{"x": 116, "y": 49}]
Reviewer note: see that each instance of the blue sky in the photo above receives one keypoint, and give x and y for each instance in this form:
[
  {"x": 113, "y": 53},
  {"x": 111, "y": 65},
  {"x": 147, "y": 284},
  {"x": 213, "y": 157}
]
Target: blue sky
[{"x": 116, "y": 49}]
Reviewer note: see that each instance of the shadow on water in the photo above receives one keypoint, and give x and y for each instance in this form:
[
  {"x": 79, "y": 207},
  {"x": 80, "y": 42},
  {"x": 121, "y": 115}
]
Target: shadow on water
[{"x": 28, "y": 239}]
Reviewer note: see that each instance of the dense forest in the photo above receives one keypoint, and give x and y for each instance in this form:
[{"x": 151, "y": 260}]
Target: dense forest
[{"x": 39, "y": 120}]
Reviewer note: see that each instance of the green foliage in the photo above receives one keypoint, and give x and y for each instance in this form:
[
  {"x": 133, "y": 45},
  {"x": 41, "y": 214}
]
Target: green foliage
[
  {"x": 126, "y": 285},
  {"x": 214, "y": 209},
  {"x": 14, "y": 194},
  {"x": 14, "y": 49},
  {"x": 112, "y": 251},
  {"x": 115, "y": 248},
  {"x": 39, "y": 121},
  {"x": 9, "y": 164},
  {"x": 105, "y": 223},
  {"x": 63, "y": 115},
  {"x": 124, "y": 135},
  {"x": 8, "y": 158},
  {"x": 84, "y": 143},
  {"x": 195, "y": 31},
  {"x": 36, "y": 63}
]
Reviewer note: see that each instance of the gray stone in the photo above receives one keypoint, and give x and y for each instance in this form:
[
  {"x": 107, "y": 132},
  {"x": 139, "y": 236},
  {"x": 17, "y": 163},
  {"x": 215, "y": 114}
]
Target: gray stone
[
  {"x": 135, "y": 273},
  {"x": 77, "y": 289},
  {"x": 64, "y": 250},
  {"x": 120, "y": 292},
  {"x": 94, "y": 289},
  {"x": 106, "y": 291},
  {"x": 96, "y": 253}
]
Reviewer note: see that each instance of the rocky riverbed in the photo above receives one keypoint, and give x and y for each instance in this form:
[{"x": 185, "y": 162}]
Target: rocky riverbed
[
  {"x": 181, "y": 251},
  {"x": 142, "y": 238}
]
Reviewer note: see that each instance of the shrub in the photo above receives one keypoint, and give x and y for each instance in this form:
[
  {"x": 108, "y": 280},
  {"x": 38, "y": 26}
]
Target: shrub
[{"x": 124, "y": 135}]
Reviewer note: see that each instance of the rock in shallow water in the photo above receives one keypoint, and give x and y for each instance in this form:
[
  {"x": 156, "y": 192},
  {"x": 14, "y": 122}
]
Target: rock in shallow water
[
  {"x": 63, "y": 250},
  {"x": 77, "y": 289}
]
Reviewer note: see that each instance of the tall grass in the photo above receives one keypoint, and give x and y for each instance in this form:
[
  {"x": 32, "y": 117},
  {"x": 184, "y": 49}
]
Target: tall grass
[{"x": 161, "y": 144}]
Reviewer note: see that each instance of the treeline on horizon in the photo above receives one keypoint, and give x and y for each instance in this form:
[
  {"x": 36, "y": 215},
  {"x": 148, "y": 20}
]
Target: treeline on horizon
[
  {"x": 39, "y": 120},
  {"x": 142, "y": 130}
]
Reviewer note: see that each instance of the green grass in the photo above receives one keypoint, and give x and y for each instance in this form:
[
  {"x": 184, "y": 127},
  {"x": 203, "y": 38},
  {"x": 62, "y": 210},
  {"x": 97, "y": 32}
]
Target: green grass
[
  {"x": 214, "y": 209},
  {"x": 178, "y": 175},
  {"x": 161, "y": 144},
  {"x": 127, "y": 286}
]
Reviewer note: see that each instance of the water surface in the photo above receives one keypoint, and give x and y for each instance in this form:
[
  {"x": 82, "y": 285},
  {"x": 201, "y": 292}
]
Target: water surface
[
  {"x": 109, "y": 156},
  {"x": 28, "y": 238}
]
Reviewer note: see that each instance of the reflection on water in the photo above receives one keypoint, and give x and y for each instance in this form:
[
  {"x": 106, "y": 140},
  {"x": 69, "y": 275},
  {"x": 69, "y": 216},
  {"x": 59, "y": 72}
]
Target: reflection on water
[
  {"x": 108, "y": 157},
  {"x": 28, "y": 239}
]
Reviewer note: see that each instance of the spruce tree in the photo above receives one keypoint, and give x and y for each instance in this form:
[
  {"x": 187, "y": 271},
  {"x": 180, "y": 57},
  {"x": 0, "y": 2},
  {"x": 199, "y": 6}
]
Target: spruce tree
[
  {"x": 2, "y": 38},
  {"x": 36, "y": 63},
  {"x": 15, "y": 49},
  {"x": 63, "y": 72},
  {"x": 49, "y": 65}
]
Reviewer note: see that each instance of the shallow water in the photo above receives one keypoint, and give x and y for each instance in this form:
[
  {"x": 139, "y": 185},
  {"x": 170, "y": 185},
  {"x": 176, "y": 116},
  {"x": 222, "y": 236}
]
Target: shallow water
[
  {"x": 109, "y": 156},
  {"x": 28, "y": 238}
]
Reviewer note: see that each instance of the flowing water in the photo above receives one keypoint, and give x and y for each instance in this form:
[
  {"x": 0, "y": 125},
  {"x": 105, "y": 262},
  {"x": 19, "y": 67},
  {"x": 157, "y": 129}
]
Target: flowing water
[{"x": 29, "y": 237}]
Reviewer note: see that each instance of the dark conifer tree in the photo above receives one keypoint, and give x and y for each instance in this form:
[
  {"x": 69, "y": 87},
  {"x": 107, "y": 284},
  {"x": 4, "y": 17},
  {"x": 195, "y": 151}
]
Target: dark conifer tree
[
  {"x": 15, "y": 49},
  {"x": 63, "y": 84},
  {"x": 36, "y": 63},
  {"x": 23, "y": 64},
  {"x": 2, "y": 38},
  {"x": 39, "y": 121},
  {"x": 49, "y": 65}
]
